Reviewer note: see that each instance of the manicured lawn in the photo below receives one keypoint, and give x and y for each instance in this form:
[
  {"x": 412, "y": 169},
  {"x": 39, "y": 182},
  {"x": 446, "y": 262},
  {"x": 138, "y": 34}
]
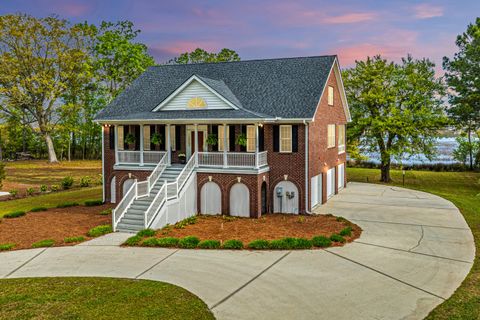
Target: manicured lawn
[
  {"x": 463, "y": 189},
  {"x": 34, "y": 173},
  {"x": 97, "y": 298},
  {"x": 51, "y": 200}
]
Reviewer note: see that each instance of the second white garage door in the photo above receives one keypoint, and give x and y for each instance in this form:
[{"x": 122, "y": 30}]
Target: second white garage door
[{"x": 330, "y": 182}]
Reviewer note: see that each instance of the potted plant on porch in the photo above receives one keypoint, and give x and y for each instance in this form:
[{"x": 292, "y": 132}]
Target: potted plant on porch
[
  {"x": 182, "y": 158},
  {"x": 241, "y": 140},
  {"x": 212, "y": 140},
  {"x": 156, "y": 139},
  {"x": 130, "y": 141}
]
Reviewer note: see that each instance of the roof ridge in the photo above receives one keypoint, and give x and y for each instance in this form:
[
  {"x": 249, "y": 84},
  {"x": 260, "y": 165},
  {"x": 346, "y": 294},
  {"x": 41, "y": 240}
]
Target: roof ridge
[{"x": 242, "y": 61}]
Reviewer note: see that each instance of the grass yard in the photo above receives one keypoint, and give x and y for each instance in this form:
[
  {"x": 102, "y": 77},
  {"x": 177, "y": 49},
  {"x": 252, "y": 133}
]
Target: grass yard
[
  {"x": 463, "y": 189},
  {"x": 51, "y": 200},
  {"x": 34, "y": 173},
  {"x": 97, "y": 298}
]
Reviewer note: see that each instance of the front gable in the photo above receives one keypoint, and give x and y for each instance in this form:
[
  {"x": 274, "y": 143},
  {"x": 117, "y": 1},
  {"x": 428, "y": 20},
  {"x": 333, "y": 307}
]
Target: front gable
[{"x": 196, "y": 94}]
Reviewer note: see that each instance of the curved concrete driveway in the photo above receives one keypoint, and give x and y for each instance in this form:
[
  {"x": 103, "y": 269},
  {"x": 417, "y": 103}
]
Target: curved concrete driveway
[{"x": 414, "y": 252}]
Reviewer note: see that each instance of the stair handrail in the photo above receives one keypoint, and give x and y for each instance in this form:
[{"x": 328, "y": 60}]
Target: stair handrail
[
  {"x": 124, "y": 204},
  {"x": 155, "y": 206},
  {"x": 157, "y": 172},
  {"x": 186, "y": 172}
]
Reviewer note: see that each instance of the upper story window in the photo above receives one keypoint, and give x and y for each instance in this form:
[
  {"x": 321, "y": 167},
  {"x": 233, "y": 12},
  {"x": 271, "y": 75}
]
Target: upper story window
[
  {"x": 251, "y": 143},
  {"x": 196, "y": 102},
  {"x": 341, "y": 138},
  {"x": 222, "y": 135},
  {"x": 330, "y": 95},
  {"x": 331, "y": 136},
  {"x": 285, "y": 138}
]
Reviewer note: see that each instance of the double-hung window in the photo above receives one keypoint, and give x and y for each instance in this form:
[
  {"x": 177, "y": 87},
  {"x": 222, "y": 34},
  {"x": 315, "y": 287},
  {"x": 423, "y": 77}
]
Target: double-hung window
[
  {"x": 285, "y": 138},
  {"x": 251, "y": 143},
  {"x": 330, "y": 95},
  {"x": 221, "y": 135},
  {"x": 341, "y": 138},
  {"x": 331, "y": 136}
]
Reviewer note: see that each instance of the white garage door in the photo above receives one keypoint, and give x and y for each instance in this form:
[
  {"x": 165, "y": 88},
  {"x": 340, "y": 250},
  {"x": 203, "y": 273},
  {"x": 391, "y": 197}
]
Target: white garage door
[
  {"x": 211, "y": 199},
  {"x": 341, "y": 176},
  {"x": 285, "y": 198},
  {"x": 239, "y": 200},
  {"x": 330, "y": 182},
  {"x": 316, "y": 190}
]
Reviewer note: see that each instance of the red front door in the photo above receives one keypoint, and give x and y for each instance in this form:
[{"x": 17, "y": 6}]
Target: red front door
[{"x": 200, "y": 141}]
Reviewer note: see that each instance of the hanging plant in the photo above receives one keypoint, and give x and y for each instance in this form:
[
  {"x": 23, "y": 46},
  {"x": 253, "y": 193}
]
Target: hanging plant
[
  {"x": 156, "y": 139},
  {"x": 241, "y": 140},
  {"x": 130, "y": 138},
  {"x": 212, "y": 140}
]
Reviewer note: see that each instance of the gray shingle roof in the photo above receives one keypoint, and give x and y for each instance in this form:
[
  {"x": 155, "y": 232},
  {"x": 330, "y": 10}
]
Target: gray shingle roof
[{"x": 287, "y": 88}]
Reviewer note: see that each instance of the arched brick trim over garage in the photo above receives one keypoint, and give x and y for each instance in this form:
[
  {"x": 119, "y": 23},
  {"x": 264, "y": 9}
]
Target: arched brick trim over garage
[
  {"x": 239, "y": 199},
  {"x": 210, "y": 198},
  {"x": 301, "y": 196}
]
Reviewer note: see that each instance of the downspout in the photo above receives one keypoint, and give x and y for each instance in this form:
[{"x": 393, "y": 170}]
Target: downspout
[{"x": 306, "y": 167}]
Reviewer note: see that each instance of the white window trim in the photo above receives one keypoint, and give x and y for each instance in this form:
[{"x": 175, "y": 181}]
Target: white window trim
[
  {"x": 250, "y": 138},
  {"x": 280, "y": 139},
  {"x": 329, "y": 146},
  {"x": 330, "y": 96}
]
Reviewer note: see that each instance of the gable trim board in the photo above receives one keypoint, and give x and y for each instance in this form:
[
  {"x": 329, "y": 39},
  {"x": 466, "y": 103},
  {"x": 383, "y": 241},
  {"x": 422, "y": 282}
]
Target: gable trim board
[{"x": 184, "y": 86}]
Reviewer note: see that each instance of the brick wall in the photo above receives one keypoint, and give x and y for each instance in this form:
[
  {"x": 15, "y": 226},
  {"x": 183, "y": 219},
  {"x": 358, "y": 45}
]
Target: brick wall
[{"x": 322, "y": 158}]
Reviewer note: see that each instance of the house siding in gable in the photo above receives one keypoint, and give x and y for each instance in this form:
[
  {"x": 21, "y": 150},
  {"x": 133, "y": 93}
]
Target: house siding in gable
[{"x": 322, "y": 158}]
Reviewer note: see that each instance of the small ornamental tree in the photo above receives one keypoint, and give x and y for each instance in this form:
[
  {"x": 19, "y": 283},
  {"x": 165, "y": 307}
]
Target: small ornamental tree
[{"x": 396, "y": 109}]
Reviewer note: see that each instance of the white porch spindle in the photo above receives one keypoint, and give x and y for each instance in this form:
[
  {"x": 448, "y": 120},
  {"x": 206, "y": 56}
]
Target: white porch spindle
[
  {"x": 196, "y": 143},
  {"x": 225, "y": 165},
  {"x": 256, "y": 145},
  {"x": 169, "y": 149},
  {"x": 141, "y": 144}
]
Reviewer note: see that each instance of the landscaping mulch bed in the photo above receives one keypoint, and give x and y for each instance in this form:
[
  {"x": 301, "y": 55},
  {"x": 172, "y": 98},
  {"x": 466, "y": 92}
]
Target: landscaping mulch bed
[
  {"x": 269, "y": 227},
  {"x": 56, "y": 224}
]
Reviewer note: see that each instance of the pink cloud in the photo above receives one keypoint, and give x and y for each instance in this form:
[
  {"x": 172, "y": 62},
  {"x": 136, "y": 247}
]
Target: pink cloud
[
  {"x": 350, "y": 18},
  {"x": 426, "y": 11},
  {"x": 72, "y": 9}
]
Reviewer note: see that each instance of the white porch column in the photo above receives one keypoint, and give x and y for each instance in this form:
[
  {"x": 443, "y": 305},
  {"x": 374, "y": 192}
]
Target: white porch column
[
  {"x": 225, "y": 164},
  {"x": 115, "y": 129},
  {"x": 256, "y": 145},
  {"x": 141, "y": 144},
  {"x": 169, "y": 149},
  {"x": 196, "y": 143}
]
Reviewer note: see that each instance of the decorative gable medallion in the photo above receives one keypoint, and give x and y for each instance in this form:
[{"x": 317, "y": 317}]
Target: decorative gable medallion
[{"x": 196, "y": 103}]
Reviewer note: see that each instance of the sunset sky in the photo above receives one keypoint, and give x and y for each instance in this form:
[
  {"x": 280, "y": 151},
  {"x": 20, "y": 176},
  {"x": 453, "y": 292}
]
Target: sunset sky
[{"x": 274, "y": 28}]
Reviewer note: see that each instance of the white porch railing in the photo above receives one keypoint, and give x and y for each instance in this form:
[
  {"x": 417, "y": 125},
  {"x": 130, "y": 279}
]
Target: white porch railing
[
  {"x": 174, "y": 187},
  {"x": 122, "y": 207},
  {"x": 233, "y": 159},
  {"x": 155, "y": 206},
  {"x": 157, "y": 172},
  {"x": 135, "y": 157}
]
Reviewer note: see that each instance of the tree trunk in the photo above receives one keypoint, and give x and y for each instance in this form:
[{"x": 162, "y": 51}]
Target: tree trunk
[
  {"x": 385, "y": 169},
  {"x": 52, "y": 157},
  {"x": 470, "y": 148}
]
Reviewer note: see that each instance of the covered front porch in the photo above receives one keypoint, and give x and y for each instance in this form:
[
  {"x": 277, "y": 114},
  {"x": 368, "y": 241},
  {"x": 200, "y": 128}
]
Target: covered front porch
[{"x": 220, "y": 146}]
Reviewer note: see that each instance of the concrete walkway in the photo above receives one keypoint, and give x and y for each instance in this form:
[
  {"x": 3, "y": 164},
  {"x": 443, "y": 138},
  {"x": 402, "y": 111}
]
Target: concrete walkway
[{"x": 414, "y": 252}]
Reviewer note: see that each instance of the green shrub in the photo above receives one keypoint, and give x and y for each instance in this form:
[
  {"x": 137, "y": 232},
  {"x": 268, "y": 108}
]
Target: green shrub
[
  {"x": 282, "y": 244},
  {"x": 259, "y": 244},
  {"x": 302, "y": 243},
  {"x": 341, "y": 219},
  {"x": 337, "y": 238},
  {"x": 13, "y": 192},
  {"x": 43, "y": 188},
  {"x": 43, "y": 243},
  {"x": 150, "y": 242},
  {"x": 185, "y": 222},
  {"x": 188, "y": 242},
  {"x": 67, "y": 204},
  {"x": 105, "y": 212},
  {"x": 346, "y": 232},
  {"x": 209, "y": 244},
  {"x": 92, "y": 203},
  {"x": 233, "y": 244},
  {"x": 38, "y": 209},
  {"x": 67, "y": 182},
  {"x": 100, "y": 230},
  {"x": 85, "y": 181},
  {"x": 14, "y": 214},
  {"x": 6, "y": 246},
  {"x": 133, "y": 241},
  {"x": 74, "y": 239},
  {"x": 30, "y": 191},
  {"x": 321, "y": 242},
  {"x": 146, "y": 233},
  {"x": 54, "y": 187},
  {"x": 167, "y": 242}
]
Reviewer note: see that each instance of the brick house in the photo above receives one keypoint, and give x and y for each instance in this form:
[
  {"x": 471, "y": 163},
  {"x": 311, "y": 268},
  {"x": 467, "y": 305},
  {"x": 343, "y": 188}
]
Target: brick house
[{"x": 240, "y": 138}]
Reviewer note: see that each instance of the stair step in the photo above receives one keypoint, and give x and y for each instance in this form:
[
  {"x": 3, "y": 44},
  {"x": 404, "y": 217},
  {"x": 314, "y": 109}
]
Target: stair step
[{"x": 129, "y": 220}]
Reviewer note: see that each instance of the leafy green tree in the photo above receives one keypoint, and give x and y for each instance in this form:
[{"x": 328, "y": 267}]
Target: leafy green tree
[
  {"x": 463, "y": 78},
  {"x": 118, "y": 59},
  {"x": 39, "y": 60},
  {"x": 395, "y": 108},
  {"x": 465, "y": 149},
  {"x": 200, "y": 56}
]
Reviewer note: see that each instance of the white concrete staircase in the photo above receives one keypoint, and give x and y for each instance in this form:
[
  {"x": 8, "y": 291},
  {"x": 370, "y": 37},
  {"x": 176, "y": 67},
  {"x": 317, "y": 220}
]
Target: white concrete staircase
[{"x": 134, "y": 218}]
